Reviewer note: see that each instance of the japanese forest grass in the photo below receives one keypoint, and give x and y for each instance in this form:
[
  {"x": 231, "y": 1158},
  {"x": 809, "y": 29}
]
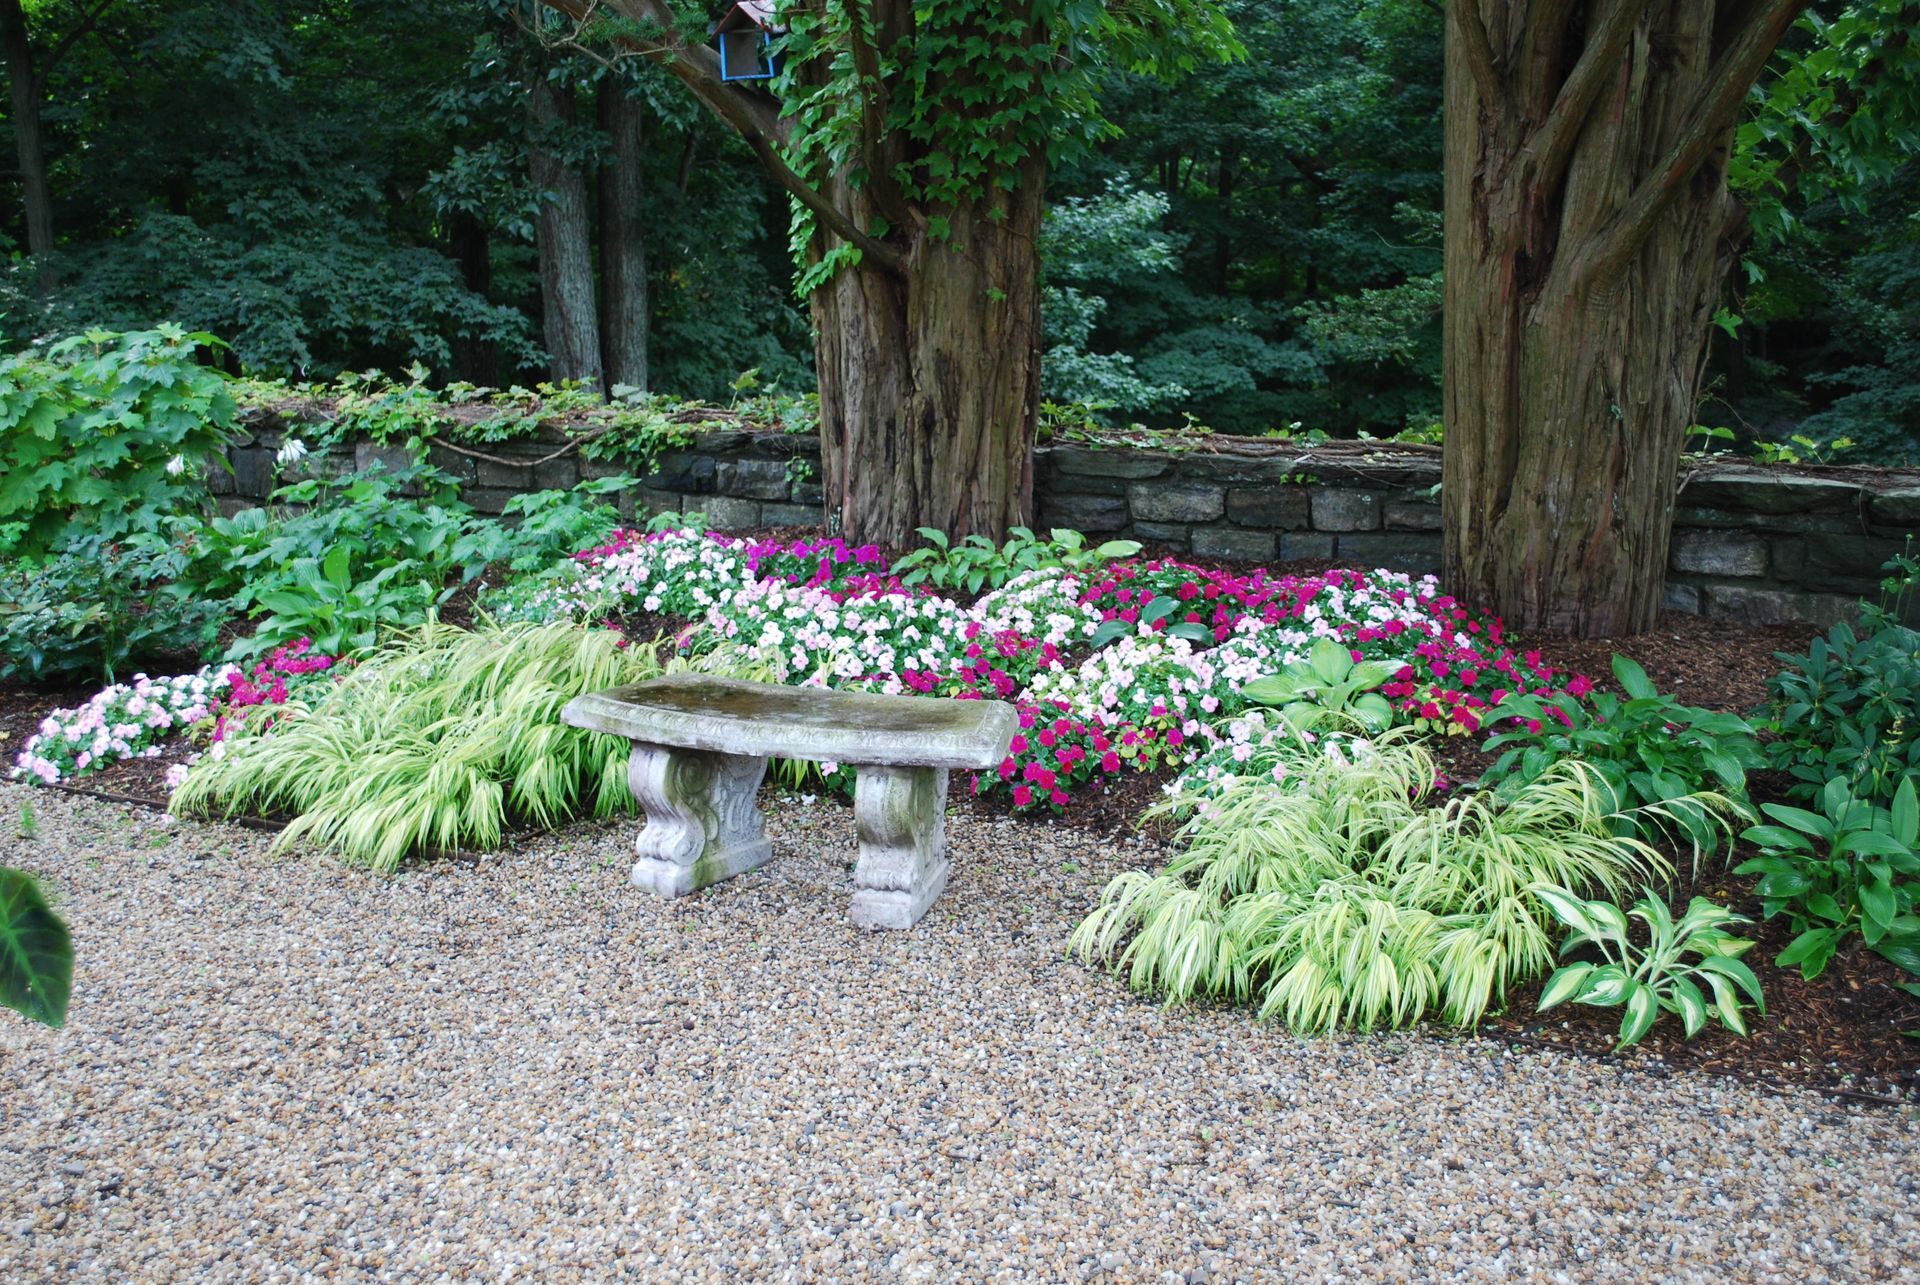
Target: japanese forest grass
[
  {"x": 1349, "y": 896},
  {"x": 439, "y": 739}
]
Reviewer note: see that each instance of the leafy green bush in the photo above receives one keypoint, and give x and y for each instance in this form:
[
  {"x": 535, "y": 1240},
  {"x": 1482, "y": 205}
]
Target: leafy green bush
[
  {"x": 977, "y": 564},
  {"x": 437, "y": 740},
  {"x": 549, "y": 526},
  {"x": 104, "y": 435},
  {"x": 1849, "y": 709},
  {"x": 341, "y": 615},
  {"x": 36, "y": 953},
  {"x": 1328, "y": 684},
  {"x": 90, "y": 611},
  {"x": 1647, "y": 748},
  {"x": 1646, "y": 980},
  {"x": 1342, "y": 897},
  {"x": 1851, "y": 867}
]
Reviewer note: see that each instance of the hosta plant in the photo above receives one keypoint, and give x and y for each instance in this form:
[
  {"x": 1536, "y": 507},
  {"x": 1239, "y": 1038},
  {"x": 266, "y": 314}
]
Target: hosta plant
[
  {"x": 1648, "y": 748},
  {"x": 1659, "y": 976},
  {"x": 439, "y": 739},
  {"x": 36, "y": 954},
  {"x": 976, "y": 563},
  {"x": 1329, "y": 684},
  {"x": 1853, "y": 866},
  {"x": 1327, "y": 890}
]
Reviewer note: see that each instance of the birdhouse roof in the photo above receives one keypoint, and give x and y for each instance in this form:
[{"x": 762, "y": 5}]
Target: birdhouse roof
[{"x": 742, "y": 12}]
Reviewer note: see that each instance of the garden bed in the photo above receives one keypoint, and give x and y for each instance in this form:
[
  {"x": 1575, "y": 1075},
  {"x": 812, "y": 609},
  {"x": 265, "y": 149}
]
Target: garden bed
[{"x": 1842, "y": 1031}]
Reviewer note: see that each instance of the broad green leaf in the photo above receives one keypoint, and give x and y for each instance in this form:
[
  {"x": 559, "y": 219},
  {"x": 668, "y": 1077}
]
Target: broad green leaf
[
  {"x": 1633, "y": 680},
  {"x": 36, "y": 954},
  {"x": 1643, "y": 1009},
  {"x": 1563, "y": 985}
]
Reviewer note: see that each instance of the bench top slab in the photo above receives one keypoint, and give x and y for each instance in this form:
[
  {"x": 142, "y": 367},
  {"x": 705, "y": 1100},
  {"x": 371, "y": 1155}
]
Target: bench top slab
[{"x": 728, "y": 716}]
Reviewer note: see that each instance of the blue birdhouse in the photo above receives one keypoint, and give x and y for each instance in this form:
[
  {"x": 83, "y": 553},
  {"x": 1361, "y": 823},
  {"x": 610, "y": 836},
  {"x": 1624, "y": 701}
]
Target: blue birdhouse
[{"x": 746, "y": 33}]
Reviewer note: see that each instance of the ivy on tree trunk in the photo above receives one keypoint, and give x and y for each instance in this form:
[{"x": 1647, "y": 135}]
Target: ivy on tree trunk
[{"x": 913, "y": 137}]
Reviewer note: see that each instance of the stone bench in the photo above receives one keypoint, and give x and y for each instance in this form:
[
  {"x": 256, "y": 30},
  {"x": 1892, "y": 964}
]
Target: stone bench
[{"x": 701, "y": 745}]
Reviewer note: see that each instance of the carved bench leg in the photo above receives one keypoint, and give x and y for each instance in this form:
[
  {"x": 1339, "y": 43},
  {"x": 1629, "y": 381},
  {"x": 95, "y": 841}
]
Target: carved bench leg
[
  {"x": 703, "y": 824},
  {"x": 901, "y": 814}
]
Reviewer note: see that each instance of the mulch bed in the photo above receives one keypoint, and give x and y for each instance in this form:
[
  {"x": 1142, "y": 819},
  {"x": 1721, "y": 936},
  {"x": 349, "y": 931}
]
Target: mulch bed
[{"x": 1841, "y": 1033}]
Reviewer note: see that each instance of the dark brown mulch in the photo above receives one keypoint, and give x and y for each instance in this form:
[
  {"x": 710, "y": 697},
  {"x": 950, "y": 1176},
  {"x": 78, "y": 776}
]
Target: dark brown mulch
[{"x": 1715, "y": 664}]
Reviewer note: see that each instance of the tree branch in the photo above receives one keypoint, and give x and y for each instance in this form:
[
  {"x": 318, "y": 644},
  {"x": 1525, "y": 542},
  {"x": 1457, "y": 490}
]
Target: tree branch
[
  {"x": 1713, "y": 114},
  {"x": 753, "y": 118},
  {"x": 1552, "y": 142},
  {"x": 59, "y": 51},
  {"x": 1473, "y": 35}
]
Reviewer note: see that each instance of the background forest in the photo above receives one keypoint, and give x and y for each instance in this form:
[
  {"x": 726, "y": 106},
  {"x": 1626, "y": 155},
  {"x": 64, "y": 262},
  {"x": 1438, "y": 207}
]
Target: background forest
[{"x": 340, "y": 186}]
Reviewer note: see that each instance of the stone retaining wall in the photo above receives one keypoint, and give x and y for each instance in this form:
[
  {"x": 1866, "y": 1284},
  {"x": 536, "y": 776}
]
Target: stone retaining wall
[{"x": 1750, "y": 544}]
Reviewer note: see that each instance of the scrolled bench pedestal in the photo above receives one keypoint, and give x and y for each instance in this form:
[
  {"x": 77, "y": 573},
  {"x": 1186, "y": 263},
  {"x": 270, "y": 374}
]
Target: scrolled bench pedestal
[
  {"x": 703, "y": 817},
  {"x": 700, "y": 751}
]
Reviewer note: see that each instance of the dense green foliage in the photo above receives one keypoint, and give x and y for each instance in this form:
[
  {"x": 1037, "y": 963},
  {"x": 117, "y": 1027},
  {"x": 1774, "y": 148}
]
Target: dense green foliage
[
  {"x": 1648, "y": 749},
  {"x": 106, "y": 436},
  {"x": 1849, "y": 709},
  {"x": 1255, "y": 245},
  {"x": 436, "y": 740},
  {"x": 1348, "y": 896},
  {"x": 1853, "y": 866},
  {"x": 88, "y": 611}
]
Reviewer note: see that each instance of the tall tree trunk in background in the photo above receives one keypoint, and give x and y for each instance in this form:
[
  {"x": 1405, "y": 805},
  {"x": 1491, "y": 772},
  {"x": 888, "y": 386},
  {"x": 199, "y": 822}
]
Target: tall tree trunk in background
[
  {"x": 623, "y": 238},
  {"x": 1588, "y": 231},
  {"x": 25, "y": 88},
  {"x": 563, "y": 234},
  {"x": 474, "y": 360},
  {"x": 930, "y": 378}
]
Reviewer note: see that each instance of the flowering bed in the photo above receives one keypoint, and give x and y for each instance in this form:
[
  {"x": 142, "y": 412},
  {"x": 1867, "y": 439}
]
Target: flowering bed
[
  {"x": 1178, "y": 644},
  {"x": 131, "y": 720}
]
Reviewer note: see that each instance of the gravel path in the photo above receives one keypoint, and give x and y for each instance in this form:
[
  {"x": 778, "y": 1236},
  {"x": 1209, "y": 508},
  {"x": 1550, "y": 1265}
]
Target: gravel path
[{"x": 278, "y": 1069}]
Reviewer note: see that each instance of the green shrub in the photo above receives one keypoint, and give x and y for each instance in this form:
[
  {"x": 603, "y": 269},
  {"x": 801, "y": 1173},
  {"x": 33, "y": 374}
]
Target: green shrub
[
  {"x": 1649, "y": 749},
  {"x": 1851, "y": 867},
  {"x": 1647, "y": 980},
  {"x": 1342, "y": 898},
  {"x": 91, "y": 611},
  {"x": 1849, "y": 709},
  {"x": 437, "y": 740},
  {"x": 976, "y": 564},
  {"x": 105, "y": 435}
]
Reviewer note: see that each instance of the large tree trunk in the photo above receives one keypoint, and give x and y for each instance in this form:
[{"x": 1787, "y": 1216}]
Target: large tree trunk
[
  {"x": 563, "y": 235},
  {"x": 623, "y": 238},
  {"x": 930, "y": 378},
  {"x": 1582, "y": 269},
  {"x": 25, "y": 89}
]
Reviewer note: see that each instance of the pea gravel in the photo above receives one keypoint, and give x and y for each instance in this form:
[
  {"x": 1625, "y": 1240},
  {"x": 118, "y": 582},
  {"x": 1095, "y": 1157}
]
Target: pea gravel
[{"x": 280, "y": 1069}]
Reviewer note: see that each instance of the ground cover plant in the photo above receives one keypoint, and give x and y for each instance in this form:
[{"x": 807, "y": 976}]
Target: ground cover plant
[
  {"x": 1328, "y": 888},
  {"x": 440, "y": 738}
]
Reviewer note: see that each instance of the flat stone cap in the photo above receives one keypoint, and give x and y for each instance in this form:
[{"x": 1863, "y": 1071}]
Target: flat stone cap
[{"x": 769, "y": 720}]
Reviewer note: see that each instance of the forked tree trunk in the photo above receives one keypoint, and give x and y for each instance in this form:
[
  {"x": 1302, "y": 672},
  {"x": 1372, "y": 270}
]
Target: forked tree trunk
[
  {"x": 623, "y": 238},
  {"x": 930, "y": 379},
  {"x": 1575, "y": 344},
  {"x": 563, "y": 237}
]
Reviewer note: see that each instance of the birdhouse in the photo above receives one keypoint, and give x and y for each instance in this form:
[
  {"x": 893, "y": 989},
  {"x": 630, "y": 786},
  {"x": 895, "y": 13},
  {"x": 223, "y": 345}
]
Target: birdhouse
[{"x": 746, "y": 33}]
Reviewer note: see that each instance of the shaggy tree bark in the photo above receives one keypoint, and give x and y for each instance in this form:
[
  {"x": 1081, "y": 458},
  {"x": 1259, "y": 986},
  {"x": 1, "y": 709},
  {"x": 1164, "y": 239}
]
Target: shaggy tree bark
[
  {"x": 930, "y": 378},
  {"x": 563, "y": 235},
  {"x": 623, "y": 238},
  {"x": 1588, "y": 231}
]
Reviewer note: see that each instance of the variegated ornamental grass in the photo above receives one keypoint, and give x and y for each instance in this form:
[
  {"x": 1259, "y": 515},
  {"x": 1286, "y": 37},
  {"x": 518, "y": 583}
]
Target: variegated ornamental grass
[
  {"x": 439, "y": 739},
  {"x": 1344, "y": 895}
]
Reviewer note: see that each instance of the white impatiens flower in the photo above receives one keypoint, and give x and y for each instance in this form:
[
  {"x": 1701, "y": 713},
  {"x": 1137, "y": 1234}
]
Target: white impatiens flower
[
  {"x": 176, "y": 466},
  {"x": 292, "y": 451}
]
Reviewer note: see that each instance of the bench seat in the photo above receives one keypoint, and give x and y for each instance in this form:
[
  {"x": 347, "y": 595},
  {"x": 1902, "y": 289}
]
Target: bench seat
[{"x": 700, "y": 749}]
